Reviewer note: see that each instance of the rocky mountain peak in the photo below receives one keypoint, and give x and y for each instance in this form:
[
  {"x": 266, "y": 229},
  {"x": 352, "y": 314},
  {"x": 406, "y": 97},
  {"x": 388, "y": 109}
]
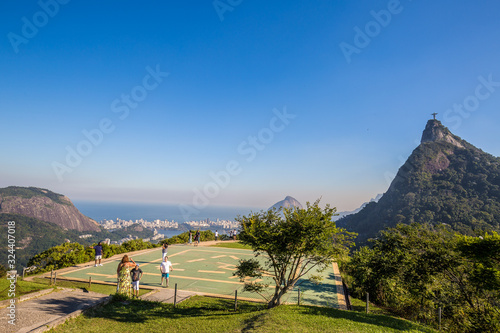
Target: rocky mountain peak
[
  {"x": 287, "y": 203},
  {"x": 444, "y": 180},
  {"x": 436, "y": 132}
]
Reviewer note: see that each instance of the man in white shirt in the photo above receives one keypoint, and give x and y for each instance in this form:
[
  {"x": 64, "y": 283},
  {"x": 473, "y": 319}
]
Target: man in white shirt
[{"x": 165, "y": 268}]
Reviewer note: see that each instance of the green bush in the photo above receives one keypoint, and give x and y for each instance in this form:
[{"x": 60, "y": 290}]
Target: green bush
[
  {"x": 224, "y": 237},
  {"x": 206, "y": 235},
  {"x": 178, "y": 239},
  {"x": 136, "y": 245}
]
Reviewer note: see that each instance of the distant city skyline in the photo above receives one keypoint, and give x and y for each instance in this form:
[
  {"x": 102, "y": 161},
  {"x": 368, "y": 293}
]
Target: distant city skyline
[{"x": 238, "y": 103}]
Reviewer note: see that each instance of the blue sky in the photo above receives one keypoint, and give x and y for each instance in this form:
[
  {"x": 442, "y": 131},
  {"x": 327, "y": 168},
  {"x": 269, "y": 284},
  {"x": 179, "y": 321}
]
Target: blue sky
[{"x": 262, "y": 94}]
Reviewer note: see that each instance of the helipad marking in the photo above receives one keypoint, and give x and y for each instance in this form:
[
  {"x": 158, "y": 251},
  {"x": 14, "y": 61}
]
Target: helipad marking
[
  {"x": 172, "y": 255},
  {"x": 195, "y": 260},
  {"x": 215, "y": 272},
  {"x": 225, "y": 266}
]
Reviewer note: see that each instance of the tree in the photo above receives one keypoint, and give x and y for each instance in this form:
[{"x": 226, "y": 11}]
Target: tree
[
  {"x": 483, "y": 253},
  {"x": 64, "y": 255},
  {"x": 294, "y": 241},
  {"x": 414, "y": 269},
  {"x": 405, "y": 269}
]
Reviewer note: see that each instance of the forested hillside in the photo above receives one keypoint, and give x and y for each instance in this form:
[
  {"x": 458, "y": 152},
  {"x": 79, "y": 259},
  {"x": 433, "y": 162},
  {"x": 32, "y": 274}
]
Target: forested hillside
[{"x": 445, "y": 180}]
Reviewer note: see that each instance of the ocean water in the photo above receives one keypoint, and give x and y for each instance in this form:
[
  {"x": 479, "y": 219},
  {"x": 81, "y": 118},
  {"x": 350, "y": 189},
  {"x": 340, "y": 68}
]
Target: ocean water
[
  {"x": 127, "y": 211},
  {"x": 170, "y": 233}
]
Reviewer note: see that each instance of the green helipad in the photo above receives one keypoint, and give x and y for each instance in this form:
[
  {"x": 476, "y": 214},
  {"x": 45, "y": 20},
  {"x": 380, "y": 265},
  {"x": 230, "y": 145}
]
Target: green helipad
[{"x": 209, "y": 271}]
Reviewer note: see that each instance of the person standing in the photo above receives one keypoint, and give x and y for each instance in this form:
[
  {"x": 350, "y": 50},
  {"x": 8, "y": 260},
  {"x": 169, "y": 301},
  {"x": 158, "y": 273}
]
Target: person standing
[
  {"x": 197, "y": 237},
  {"x": 124, "y": 279},
  {"x": 165, "y": 268},
  {"x": 98, "y": 254},
  {"x": 216, "y": 235},
  {"x": 234, "y": 234},
  {"x": 190, "y": 237},
  {"x": 164, "y": 250},
  {"x": 230, "y": 234},
  {"x": 136, "y": 275}
]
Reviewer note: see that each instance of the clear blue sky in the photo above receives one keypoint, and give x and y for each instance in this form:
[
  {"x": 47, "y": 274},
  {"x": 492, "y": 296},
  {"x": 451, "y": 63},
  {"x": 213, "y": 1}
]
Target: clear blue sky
[{"x": 357, "y": 114}]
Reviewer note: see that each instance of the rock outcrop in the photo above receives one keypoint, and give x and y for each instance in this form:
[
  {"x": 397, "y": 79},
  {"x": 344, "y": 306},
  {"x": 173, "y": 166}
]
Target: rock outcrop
[
  {"x": 436, "y": 132},
  {"x": 46, "y": 206}
]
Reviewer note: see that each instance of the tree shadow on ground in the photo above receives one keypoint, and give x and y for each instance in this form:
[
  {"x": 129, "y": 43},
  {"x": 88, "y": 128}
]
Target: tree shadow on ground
[
  {"x": 254, "y": 322},
  {"x": 326, "y": 293},
  {"x": 140, "y": 311},
  {"x": 372, "y": 319}
]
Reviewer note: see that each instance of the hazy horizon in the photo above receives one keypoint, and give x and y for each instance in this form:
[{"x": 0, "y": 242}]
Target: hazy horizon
[
  {"x": 147, "y": 211},
  {"x": 151, "y": 210}
]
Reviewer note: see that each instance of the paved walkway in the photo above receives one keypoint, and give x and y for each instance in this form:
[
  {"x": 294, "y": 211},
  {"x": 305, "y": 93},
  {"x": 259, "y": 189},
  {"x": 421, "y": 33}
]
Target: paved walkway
[
  {"x": 42, "y": 313},
  {"x": 38, "y": 314}
]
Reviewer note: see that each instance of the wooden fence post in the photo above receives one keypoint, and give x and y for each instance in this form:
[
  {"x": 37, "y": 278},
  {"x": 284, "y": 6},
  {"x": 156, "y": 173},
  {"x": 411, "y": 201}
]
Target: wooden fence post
[
  {"x": 439, "y": 315},
  {"x": 175, "y": 295}
]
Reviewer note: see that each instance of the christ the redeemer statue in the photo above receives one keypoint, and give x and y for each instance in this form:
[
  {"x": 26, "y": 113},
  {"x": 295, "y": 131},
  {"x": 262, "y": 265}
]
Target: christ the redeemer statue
[{"x": 434, "y": 114}]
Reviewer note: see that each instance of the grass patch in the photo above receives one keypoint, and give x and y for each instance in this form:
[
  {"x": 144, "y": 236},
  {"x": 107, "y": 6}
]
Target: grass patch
[
  {"x": 236, "y": 245},
  {"x": 320, "y": 319},
  {"x": 204, "y": 314},
  {"x": 95, "y": 287},
  {"x": 22, "y": 288}
]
